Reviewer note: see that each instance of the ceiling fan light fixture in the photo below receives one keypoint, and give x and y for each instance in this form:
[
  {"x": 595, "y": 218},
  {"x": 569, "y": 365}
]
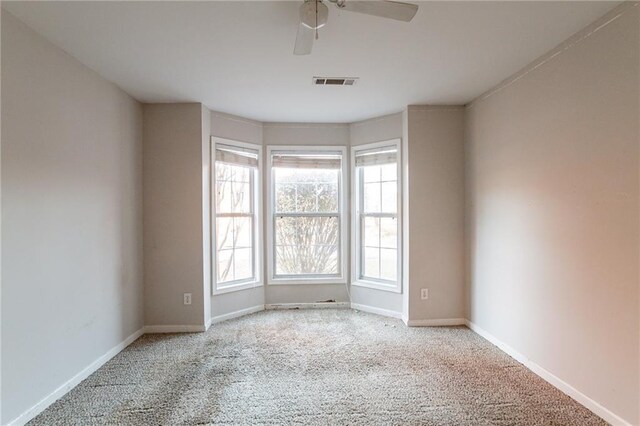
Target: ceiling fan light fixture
[{"x": 314, "y": 14}]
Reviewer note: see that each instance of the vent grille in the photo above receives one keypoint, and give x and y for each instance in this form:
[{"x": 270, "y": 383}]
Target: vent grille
[{"x": 335, "y": 81}]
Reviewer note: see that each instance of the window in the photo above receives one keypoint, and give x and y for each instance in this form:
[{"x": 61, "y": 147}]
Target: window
[
  {"x": 236, "y": 204},
  {"x": 376, "y": 223},
  {"x": 306, "y": 212}
]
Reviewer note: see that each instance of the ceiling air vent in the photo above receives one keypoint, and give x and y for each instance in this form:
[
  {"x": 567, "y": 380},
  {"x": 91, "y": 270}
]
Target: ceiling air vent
[{"x": 334, "y": 81}]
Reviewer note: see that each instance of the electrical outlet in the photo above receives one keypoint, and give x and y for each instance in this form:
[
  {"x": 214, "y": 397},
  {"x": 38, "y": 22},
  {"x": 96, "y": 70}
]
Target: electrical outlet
[
  {"x": 187, "y": 298},
  {"x": 424, "y": 293}
]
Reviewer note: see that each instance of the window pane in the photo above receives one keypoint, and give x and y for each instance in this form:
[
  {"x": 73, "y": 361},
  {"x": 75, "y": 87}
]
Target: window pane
[
  {"x": 286, "y": 261},
  {"x": 389, "y": 197},
  {"x": 286, "y": 230},
  {"x": 235, "y": 253},
  {"x": 379, "y": 235},
  {"x": 234, "y": 235},
  {"x": 371, "y": 174},
  {"x": 233, "y": 232},
  {"x": 233, "y": 189},
  {"x": 224, "y": 171},
  {"x": 243, "y": 263},
  {"x": 306, "y": 245},
  {"x": 242, "y": 174},
  {"x": 388, "y": 232},
  {"x": 307, "y": 260},
  {"x": 388, "y": 264},
  {"x": 242, "y": 232},
  {"x": 372, "y": 197},
  {"x": 306, "y": 197},
  {"x": 241, "y": 197},
  {"x": 225, "y": 265},
  {"x": 371, "y": 234},
  {"x": 371, "y": 262},
  {"x": 224, "y": 201},
  {"x": 233, "y": 192},
  {"x": 285, "y": 197},
  {"x": 389, "y": 172},
  {"x": 224, "y": 232},
  {"x": 327, "y": 197},
  {"x": 306, "y": 190},
  {"x": 306, "y": 230}
]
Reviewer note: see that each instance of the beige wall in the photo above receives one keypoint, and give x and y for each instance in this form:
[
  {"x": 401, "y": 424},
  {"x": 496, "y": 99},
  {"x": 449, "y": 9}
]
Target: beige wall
[
  {"x": 173, "y": 214},
  {"x": 436, "y": 151},
  {"x": 238, "y": 128},
  {"x": 177, "y": 213},
  {"x": 71, "y": 217},
  {"x": 552, "y": 214},
  {"x": 305, "y": 134},
  {"x": 244, "y": 130},
  {"x": 376, "y": 129},
  {"x": 435, "y": 200}
]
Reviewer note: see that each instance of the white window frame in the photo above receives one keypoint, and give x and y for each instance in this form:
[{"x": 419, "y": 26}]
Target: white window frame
[
  {"x": 256, "y": 281},
  {"x": 343, "y": 201},
  {"x": 356, "y": 221}
]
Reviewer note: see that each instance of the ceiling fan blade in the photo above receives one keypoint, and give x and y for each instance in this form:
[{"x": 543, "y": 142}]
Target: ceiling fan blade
[
  {"x": 386, "y": 9},
  {"x": 304, "y": 40}
]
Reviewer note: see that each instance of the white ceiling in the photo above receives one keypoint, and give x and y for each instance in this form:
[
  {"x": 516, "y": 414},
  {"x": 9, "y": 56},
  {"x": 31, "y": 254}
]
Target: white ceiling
[{"x": 236, "y": 57}]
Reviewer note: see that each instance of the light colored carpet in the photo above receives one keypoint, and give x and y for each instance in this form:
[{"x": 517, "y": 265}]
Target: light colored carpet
[{"x": 315, "y": 367}]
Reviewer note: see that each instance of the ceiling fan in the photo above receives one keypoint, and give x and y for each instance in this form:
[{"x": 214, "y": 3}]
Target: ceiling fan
[{"x": 314, "y": 14}]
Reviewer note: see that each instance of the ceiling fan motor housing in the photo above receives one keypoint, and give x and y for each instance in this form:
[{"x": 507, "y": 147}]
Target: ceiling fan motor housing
[{"x": 314, "y": 14}]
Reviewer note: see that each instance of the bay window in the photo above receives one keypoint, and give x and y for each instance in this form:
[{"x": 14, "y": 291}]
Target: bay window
[
  {"x": 306, "y": 212},
  {"x": 236, "y": 202},
  {"x": 376, "y": 224}
]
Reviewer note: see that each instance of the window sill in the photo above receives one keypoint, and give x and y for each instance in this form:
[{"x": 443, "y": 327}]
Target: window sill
[
  {"x": 393, "y": 288},
  {"x": 306, "y": 281},
  {"x": 236, "y": 287}
]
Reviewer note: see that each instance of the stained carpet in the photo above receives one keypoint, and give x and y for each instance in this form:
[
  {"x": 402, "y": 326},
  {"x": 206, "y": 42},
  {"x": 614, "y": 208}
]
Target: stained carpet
[{"x": 315, "y": 367}]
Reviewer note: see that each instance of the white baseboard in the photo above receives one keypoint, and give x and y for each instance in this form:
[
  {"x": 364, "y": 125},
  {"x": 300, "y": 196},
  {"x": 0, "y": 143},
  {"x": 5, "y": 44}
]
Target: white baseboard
[
  {"x": 444, "y": 322},
  {"x": 236, "y": 314},
  {"x": 150, "y": 329},
  {"x": 377, "y": 311},
  {"x": 554, "y": 380},
  {"x": 320, "y": 305},
  {"x": 32, "y": 412}
]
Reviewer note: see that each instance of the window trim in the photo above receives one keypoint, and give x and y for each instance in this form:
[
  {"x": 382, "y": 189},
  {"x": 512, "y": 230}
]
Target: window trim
[
  {"x": 257, "y": 280},
  {"x": 343, "y": 186},
  {"x": 356, "y": 231}
]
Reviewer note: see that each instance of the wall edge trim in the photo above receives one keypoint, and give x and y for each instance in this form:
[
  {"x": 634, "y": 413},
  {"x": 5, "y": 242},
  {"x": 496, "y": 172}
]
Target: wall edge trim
[
  {"x": 375, "y": 119},
  {"x": 236, "y": 314},
  {"x": 317, "y": 305},
  {"x": 546, "y": 375},
  {"x": 551, "y": 378},
  {"x": 568, "y": 43},
  {"x": 377, "y": 311},
  {"x": 426, "y": 107},
  {"x": 439, "y": 322},
  {"x": 75, "y": 380},
  {"x": 174, "y": 328},
  {"x": 269, "y": 124},
  {"x": 238, "y": 118}
]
